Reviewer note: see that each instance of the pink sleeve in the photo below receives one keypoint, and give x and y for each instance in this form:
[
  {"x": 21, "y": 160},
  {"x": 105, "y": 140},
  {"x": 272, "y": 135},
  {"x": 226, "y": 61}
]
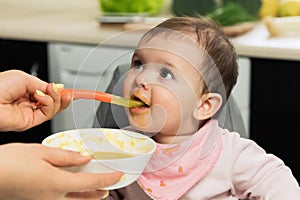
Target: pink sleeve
[{"x": 259, "y": 175}]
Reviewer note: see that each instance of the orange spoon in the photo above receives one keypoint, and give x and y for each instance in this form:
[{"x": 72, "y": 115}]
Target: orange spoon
[{"x": 101, "y": 96}]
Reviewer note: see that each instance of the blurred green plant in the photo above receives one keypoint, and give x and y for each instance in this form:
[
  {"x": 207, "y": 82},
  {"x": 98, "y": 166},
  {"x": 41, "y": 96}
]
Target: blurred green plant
[
  {"x": 192, "y": 7},
  {"x": 153, "y": 7},
  {"x": 225, "y": 12},
  {"x": 251, "y": 6},
  {"x": 230, "y": 14}
]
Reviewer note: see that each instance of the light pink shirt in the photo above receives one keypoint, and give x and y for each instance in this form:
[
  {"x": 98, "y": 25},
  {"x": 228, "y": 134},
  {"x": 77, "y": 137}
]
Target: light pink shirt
[{"x": 243, "y": 170}]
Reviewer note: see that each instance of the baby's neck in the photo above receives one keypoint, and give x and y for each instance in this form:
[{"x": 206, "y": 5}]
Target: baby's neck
[
  {"x": 163, "y": 139},
  {"x": 171, "y": 139}
]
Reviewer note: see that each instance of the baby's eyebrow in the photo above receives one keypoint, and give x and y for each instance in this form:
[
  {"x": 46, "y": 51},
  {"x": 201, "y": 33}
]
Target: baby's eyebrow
[
  {"x": 135, "y": 54},
  {"x": 160, "y": 61},
  {"x": 166, "y": 63}
]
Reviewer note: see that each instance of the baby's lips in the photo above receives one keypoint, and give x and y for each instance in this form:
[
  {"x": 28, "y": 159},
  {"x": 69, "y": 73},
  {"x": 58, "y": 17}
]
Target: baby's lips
[{"x": 138, "y": 95}]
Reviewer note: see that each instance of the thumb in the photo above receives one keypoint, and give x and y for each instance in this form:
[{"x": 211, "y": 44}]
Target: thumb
[
  {"x": 64, "y": 158},
  {"x": 77, "y": 181}
]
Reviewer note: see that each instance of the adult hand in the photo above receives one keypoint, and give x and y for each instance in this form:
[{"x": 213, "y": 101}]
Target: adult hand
[
  {"x": 19, "y": 95},
  {"x": 29, "y": 171}
]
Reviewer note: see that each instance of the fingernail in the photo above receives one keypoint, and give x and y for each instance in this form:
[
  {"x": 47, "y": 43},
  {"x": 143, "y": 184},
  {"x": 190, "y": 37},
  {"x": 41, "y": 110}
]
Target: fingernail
[
  {"x": 59, "y": 85},
  {"x": 54, "y": 87},
  {"x": 105, "y": 195},
  {"x": 122, "y": 178},
  {"x": 85, "y": 154},
  {"x": 39, "y": 93},
  {"x": 71, "y": 99}
]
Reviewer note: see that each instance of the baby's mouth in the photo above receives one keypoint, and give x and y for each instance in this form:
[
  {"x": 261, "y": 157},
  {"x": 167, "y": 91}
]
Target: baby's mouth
[{"x": 138, "y": 97}]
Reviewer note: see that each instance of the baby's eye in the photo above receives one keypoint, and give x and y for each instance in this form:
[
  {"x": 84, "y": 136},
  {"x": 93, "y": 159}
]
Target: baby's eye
[
  {"x": 137, "y": 64},
  {"x": 166, "y": 73}
]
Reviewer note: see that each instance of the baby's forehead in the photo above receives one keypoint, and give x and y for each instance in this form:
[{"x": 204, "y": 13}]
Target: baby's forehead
[
  {"x": 187, "y": 48},
  {"x": 169, "y": 40},
  {"x": 190, "y": 51},
  {"x": 183, "y": 46}
]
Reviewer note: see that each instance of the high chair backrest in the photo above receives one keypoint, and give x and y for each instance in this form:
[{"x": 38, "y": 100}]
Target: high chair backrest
[{"x": 112, "y": 116}]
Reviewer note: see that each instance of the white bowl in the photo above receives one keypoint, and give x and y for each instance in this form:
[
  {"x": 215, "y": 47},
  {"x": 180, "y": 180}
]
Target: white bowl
[{"x": 112, "y": 150}]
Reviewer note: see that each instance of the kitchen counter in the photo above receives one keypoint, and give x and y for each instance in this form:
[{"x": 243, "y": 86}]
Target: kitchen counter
[
  {"x": 71, "y": 21},
  {"x": 258, "y": 43},
  {"x": 75, "y": 21}
]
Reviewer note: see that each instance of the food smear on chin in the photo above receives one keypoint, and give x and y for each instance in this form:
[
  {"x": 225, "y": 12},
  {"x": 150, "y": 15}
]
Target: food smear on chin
[{"x": 141, "y": 116}]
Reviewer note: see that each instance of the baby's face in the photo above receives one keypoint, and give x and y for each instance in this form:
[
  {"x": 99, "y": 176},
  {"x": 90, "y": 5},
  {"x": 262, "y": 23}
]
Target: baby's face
[{"x": 168, "y": 84}]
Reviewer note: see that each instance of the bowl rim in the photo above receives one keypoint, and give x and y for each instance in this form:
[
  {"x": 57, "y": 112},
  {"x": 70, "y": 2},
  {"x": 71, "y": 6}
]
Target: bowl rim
[{"x": 70, "y": 131}]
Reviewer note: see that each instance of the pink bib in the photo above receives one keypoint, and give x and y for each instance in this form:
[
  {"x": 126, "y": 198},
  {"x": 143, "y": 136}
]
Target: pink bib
[{"x": 176, "y": 168}]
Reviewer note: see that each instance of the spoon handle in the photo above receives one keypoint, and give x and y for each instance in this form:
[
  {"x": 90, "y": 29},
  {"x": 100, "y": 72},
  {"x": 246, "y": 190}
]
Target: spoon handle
[
  {"x": 101, "y": 96},
  {"x": 87, "y": 94}
]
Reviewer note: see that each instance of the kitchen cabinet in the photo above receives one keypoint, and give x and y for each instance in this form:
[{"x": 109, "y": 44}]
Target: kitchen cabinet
[
  {"x": 275, "y": 108},
  {"x": 30, "y": 57},
  {"x": 241, "y": 93}
]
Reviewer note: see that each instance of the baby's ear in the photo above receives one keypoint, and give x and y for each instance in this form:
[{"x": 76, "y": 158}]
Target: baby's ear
[{"x": 208, "y": 105}]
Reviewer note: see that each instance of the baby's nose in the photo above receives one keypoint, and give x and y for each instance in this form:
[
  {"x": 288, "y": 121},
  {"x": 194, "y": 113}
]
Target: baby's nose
[
  {"x": 141, "y": 82},
  {"x": 143, "y": 79}
]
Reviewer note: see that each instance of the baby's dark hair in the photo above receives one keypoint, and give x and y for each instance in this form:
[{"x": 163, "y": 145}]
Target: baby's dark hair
[{"x": 209, "y": 35}]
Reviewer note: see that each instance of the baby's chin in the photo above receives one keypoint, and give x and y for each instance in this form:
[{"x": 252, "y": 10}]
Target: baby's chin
[
  {"x": 145, "y": 125},
  {"x": 140, "y": 121},
  {"x": 148, "y": 120}
]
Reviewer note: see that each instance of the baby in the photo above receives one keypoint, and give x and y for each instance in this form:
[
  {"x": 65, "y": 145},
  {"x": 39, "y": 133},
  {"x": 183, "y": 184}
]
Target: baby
[{"x": 184, "y": 70}]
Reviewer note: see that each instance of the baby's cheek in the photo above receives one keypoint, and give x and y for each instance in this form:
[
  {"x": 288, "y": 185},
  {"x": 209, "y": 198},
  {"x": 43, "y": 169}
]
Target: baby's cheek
[
  {"x": 126, "y": 90},
  {"x": 129, "y": 85}
]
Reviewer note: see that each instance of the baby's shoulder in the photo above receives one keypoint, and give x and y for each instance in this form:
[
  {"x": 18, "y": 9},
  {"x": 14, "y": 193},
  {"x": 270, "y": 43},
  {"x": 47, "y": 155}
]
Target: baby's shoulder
[{"x": 233, "y": 142}]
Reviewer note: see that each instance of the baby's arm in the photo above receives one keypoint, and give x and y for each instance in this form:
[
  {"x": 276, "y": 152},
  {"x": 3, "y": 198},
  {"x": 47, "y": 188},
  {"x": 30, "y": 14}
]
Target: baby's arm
[{"x": 259, "y": 175}]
